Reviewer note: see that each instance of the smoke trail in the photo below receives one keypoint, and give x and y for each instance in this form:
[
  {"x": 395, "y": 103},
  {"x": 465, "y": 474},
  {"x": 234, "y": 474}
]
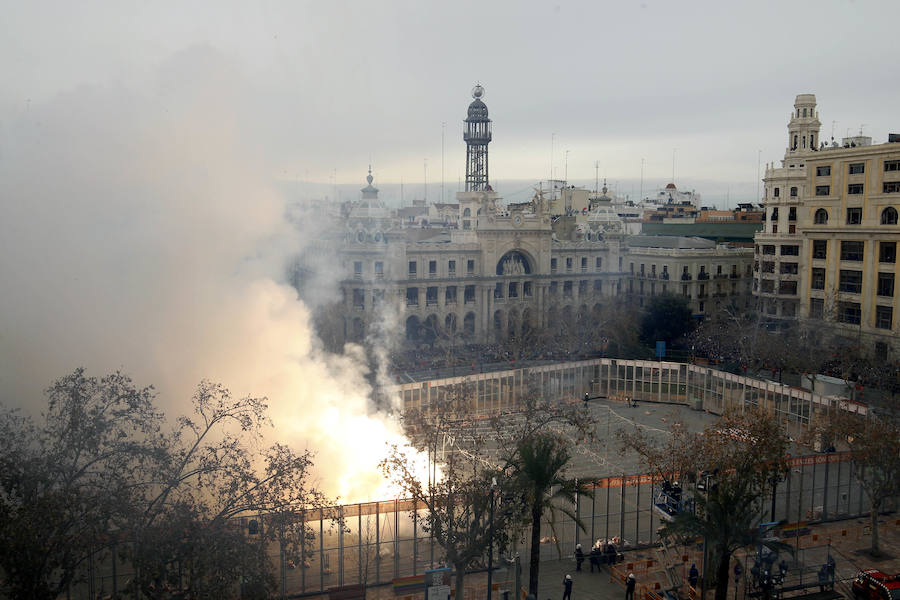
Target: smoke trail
[{"x": 140, "y": 232}]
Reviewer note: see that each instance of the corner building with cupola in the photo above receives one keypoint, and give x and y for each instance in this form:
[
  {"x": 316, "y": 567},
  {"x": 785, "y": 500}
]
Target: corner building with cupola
[{"x": 828, "y": 250}]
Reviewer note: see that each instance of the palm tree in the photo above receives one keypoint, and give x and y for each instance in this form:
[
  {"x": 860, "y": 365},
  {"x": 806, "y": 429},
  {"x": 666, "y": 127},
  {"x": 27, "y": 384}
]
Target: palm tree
[
  {"x": 727, "y": 518},
  {"x": 539, "y": 466}
]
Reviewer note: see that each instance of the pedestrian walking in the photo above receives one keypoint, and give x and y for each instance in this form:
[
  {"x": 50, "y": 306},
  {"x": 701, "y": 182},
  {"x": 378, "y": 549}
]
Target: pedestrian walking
[
  {"x": 693, "y": 575},
  {"x": 579, "y": 557},
  {"x": 630, "y": 582},
  {"x": 567, "y": 588}
]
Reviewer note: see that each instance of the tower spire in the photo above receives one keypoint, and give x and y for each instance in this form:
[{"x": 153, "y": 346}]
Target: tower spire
[{"x": 477, "y": 136}]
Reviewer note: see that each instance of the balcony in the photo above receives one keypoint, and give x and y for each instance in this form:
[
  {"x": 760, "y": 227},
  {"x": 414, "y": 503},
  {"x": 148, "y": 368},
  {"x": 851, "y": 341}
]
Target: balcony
[
  {"x": 686, "y": 277},
  {"x": 702, "y": 276}
]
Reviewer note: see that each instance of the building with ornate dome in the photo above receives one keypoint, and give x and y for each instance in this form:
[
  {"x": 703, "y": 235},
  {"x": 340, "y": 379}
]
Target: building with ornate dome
[{"x": 482, "y": 270}]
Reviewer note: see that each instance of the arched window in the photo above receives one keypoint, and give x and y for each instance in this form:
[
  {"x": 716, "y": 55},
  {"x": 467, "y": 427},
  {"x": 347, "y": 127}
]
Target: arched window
[
  {"x": 793, "y": 192},
  {"x": 821, "y": 217},
  {"x": 804, "y": 112},
  {"x": 889, "y": 216},
  {"x": 794, "y": 147},
  {"x": 777, "y": 192},
  {"x": 467, "y": 212}
]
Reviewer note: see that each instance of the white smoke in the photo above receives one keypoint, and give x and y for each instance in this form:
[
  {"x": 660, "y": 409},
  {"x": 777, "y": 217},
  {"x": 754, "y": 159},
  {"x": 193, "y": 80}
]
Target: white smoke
[{"x": 140, "y": 232}]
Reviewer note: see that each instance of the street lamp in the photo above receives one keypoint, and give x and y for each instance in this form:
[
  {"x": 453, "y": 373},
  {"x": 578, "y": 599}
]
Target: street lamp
[{"x": 491, "y": 537}]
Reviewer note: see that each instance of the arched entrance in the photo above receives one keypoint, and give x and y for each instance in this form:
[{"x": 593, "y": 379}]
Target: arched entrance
[{"x": 413, "y": 328}]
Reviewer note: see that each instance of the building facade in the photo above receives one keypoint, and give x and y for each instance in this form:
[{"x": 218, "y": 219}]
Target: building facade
[
  {"x": 829, "y": 245},
  {"x": 483, "y": 271}
]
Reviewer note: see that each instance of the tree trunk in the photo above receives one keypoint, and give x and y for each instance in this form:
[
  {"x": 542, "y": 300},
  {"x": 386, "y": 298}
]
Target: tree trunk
[
  {"x": 534, "y": 564},
  {"x": 460, "y": 578},
  {"x": 875, "y": 550},
  {"x": 722, "y": 574}
]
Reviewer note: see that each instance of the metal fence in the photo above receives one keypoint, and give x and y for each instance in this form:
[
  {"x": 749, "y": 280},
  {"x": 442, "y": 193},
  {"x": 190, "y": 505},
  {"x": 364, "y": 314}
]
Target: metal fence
[{"x": 374, "y": 543}]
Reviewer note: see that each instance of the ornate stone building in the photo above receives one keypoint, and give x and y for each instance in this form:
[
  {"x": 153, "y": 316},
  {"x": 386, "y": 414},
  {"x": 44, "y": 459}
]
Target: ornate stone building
[
  {"x": 485, "y": 270},
  {"x": 829, "y": 247}
]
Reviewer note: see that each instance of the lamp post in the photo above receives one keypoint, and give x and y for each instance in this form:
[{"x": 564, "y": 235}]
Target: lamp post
[{"x": 491, "y": 538}]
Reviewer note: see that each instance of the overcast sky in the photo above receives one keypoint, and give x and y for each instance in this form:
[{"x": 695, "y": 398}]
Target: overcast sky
[{"x": 330, "y": 86}]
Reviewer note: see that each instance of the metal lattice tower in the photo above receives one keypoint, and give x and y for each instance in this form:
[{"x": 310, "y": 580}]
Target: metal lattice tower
[{"x": 477, "y": 137}]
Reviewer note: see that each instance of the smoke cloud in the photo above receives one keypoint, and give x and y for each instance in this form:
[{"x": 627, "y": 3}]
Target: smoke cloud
[{"x": 141, "y": 232}]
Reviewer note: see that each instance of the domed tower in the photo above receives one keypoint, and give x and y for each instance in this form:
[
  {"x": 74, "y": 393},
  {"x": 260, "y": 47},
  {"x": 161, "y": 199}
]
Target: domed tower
[
  {"x": 803, "y": 129},
  {"x": 477, "y": 137}
]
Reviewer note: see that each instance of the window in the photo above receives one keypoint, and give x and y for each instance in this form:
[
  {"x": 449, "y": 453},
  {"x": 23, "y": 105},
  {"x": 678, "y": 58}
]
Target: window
[
  {"x": 890, "y": 187},
  {"x": 793, "y": 192},
  {"x": 854, "y": 188},
  {"x": 412, "y": 296},
  {"x": 498, "y": 291},
  {"x": 554, "y": 287},
  {"x": 768, "y": 267},
  {"x": 553, "y": 265},
  {"x": 792, "y": 213},
  {"x": 818, "y": 279},
  {"x": 582, "y": 287},
  {"x": 892, "y": 165},
  {"x": 583, "y": 264},
  {"x": 359, "y": 298},
  {"x": 431, "y": 295},
  {"x": 469, "y": 294},
  {"x": 451, "y": 268},
  {"x": 432, "y": 268},
  {"x": 568, "y": 264},
  {"x": 775, "y": 214},
  {"x": 357, "y": 269},
  {"x": 852, "y": 250},
  {"x": 598, "y": 286},
  {"x": 819, "y": 248},
  {"x": 776, "y": 192},
  {"x": 788, "y": 268},
  {"x": 823, "y": 171},
  {"x": 887, "y": 252},
  {"x": 850, "y": 281},
  {"x": 821, "y": 217},
  {"x": 889, "y": 216},
  {"x": 379, "y": 269},
  {"x": 848, "y": 312},
  {"x": 788, "y": 288},
  {"x": 790, "y": 250},
  {"x": 857, "y": 168},
  {"x": 470, "y": 267},
  {"x": 412, "y": 269},
  {"x": 854, "y": 216},
  {"x": 823, "y": 190},
  {"x": 885, "y": 284},
  {"x": 816, "y": 308},
  {"x": 768, "y": 249},
  {"x": 884, "y": 317},
  {"x": 665, "y": 272},
  {"x": 513, "y": 291},
  {"x": 526, "y": 289},
  {"x": 450, "y": 295},
  {"x": 567, "y": 289},
  {"x": 377, "y": 297},
  {"x": 767, "y": 286},
  {"x": 598, "y": 263}
]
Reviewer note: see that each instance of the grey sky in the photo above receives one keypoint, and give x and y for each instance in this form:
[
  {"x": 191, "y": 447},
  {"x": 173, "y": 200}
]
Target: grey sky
[{"x": 332, "y": 84}]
